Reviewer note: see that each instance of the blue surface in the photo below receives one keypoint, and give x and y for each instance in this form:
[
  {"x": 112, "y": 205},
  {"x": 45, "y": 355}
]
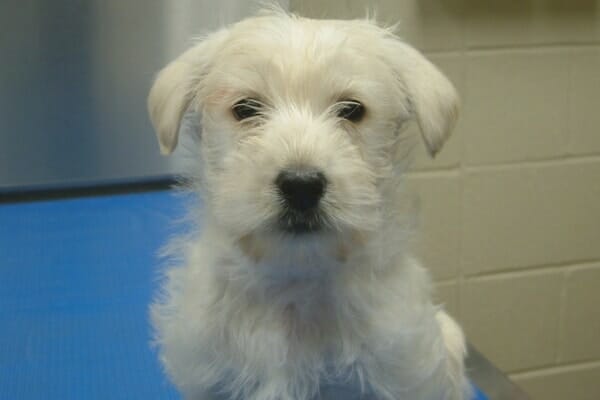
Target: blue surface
[{"x": 76, "y": 277}]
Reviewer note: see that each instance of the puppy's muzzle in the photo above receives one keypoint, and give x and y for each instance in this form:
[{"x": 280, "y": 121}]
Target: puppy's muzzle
[{"x": 301, "y": 191}]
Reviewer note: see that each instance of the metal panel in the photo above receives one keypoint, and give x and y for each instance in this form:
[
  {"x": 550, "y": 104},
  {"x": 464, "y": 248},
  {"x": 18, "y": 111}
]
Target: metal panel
[{"x": 74, "y": 78}]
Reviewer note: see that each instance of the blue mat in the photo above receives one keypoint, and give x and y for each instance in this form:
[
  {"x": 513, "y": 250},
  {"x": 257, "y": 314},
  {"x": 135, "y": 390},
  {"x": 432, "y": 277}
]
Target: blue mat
[{"x": 76, "y": 277}]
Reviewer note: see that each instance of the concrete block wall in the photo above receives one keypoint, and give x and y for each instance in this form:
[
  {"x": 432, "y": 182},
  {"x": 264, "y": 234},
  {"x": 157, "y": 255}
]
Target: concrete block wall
[{"x": 510, "y": 209}]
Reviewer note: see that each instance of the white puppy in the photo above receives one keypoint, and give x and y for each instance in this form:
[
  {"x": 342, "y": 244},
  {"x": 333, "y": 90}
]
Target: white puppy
[{"x": 300, "y": 285}]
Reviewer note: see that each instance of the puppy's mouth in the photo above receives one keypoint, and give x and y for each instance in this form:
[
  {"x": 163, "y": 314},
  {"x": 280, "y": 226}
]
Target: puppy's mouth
[{"x": 301, "y": 222}]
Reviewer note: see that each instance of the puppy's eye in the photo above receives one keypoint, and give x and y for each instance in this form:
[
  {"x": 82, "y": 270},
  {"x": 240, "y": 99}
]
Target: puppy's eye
[
  {"x": 246, "y": 108},
  {"x": 351, "y": 110}
]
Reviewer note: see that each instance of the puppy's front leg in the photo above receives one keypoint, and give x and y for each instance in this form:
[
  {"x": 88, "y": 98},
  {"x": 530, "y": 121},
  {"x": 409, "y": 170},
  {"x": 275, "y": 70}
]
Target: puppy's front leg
[
  {"x": 456, "y": 351},
  {"x": 423, "y": 360}
]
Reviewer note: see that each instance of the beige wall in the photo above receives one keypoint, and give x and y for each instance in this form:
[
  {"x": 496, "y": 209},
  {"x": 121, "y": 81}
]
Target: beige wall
[{"x": 511, "y": 207}]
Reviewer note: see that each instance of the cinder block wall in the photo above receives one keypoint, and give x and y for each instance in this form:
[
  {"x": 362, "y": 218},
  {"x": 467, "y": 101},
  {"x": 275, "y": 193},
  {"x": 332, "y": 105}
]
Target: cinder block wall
[{"x": 511, "y": 207}]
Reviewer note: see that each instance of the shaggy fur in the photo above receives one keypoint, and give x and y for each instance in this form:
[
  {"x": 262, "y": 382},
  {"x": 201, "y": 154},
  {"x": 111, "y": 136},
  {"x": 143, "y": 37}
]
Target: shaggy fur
[{"x": 252, "y": 312}]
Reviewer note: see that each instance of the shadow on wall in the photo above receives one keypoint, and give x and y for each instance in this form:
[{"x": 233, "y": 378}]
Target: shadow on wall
[
  {"x": 433, "y": 25},
  {"x": 512, "y": 9},
  {"x": 502, "y": 23}
]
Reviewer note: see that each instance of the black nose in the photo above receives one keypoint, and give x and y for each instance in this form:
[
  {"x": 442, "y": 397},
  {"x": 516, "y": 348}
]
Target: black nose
[{"x": 301, "y": 189}]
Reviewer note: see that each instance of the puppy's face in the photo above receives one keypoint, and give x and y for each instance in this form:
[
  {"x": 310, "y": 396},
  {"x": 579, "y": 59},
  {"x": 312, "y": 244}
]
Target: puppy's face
[{"x": 299, "y": 120}]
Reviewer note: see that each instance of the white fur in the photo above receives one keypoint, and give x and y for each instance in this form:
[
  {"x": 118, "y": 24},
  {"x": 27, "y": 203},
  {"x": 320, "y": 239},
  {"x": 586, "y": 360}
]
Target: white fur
[{"x": 252, "y": 313}]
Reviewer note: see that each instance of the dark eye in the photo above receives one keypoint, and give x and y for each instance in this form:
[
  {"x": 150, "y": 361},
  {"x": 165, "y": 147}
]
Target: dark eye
[
  {"x": 246, "y": 108},
  {"x": 351, "y": 110}
]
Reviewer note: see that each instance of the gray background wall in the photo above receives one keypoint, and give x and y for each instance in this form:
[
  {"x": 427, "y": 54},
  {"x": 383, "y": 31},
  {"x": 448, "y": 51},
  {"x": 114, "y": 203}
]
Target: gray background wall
[{"x": 74, "y": 78}]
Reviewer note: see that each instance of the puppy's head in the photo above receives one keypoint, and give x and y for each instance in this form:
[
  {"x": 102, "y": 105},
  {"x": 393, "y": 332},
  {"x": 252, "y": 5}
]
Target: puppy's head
[{"x": 299, "y": 120}]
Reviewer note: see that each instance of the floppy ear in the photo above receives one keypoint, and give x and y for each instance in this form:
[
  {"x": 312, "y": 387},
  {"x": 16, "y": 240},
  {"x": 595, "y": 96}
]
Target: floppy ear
[
  {"x": 433, "y": 101},
  {"x": 176, "y": 86}
]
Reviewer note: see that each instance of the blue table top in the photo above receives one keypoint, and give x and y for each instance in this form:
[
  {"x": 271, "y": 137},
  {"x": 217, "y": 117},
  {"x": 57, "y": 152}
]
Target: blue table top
[{"x": 76, "y": 278}]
